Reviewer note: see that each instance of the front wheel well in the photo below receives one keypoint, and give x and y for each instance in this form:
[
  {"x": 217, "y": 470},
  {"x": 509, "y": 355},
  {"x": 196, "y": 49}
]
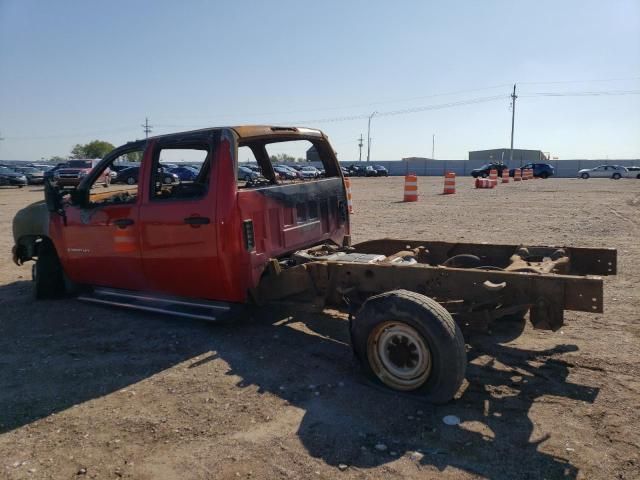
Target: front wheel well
[{"x": 28, "y": 246}]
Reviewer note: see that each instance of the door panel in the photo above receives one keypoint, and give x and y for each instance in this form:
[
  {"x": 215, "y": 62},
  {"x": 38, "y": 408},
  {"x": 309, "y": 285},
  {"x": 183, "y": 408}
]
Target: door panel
[
  {"x": 98, "y": 251},
  {"x": 179, "y": 257},
  {"x": 178, "y": 228},
  {"x": 101, "y": 239}
]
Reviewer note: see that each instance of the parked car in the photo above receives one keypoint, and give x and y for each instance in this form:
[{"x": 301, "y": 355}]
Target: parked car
[
  {"x": 483, "y": 171},
  {"x": 11, "y": 177},
  {"x": 286, "y": 173},
  {"x": 75, "y": 170},
  {"x": 634, "y": 172},
  {"x": 247, "y": 174},
  {"x": 381, "y": 171},
  {"x": 41, "y": 166},
  {"x": 34, "y": 175},
  {"x": 309, "y": 171},
  {"x": 48, "y": 175},
  {"x": 127, "y": 175},
  {"x": 361, "y": 171},
  {"x": 542, "y": 170},
  {"x": 185, "y": 173},
  {"x": 345, "y": 172},
  {"x": 604, "y": 171},
  {"x": 130, "y": 176}
]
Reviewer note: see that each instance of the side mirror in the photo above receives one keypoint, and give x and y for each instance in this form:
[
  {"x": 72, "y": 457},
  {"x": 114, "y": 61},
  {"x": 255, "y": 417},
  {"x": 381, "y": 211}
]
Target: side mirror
[{"x": 52, "y": 197}]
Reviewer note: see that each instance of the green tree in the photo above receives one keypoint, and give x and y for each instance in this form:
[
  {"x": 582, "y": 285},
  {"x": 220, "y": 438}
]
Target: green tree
[
  {"x": 95, "y": 149},
  {"x": 134, "y": 156},
  {"x": 57, "y": 159}
]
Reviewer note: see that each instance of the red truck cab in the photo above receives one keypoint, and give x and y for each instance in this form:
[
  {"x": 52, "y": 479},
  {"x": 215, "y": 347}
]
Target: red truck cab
[{"x": 210, "y": 238}]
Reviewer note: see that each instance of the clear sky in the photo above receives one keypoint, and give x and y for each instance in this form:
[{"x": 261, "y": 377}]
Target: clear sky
[{"x": 74, "y": 71}]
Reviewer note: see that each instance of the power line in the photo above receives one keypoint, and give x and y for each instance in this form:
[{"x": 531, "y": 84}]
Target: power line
[
  {"x": 582, "y": 94},
  {"x": 559, "y": 82},
  {"x": 148, "y": 128},
  {"x": 356, "y": 105}
]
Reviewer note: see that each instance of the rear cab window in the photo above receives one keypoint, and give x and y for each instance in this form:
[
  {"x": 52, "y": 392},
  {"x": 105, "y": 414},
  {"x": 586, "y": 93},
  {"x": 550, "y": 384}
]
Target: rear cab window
[{"x": 276, "y": 162}]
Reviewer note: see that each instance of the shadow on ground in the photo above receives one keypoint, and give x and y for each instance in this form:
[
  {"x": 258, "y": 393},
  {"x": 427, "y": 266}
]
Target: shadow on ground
[{"x": 57, "y": 354}]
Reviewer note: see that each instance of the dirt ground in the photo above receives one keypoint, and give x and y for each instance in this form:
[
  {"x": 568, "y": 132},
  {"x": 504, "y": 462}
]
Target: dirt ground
[{"x": 93, "y": 392}]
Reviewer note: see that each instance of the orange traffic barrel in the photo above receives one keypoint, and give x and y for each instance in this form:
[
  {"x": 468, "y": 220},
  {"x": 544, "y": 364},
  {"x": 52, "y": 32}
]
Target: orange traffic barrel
[
  {"x": 411, "y": 188},
  {"x": 493, "y": 176},
  {"x": 517, "y": 175},
  {"x": 525, "y": 174},
  {"x": 505, "y": 175},
  {"x": 484, "y": 183},
  {"x": 124, "y": 240},
  {"x": 449, "y": 183},
  {"x": 347, "y": 186}
]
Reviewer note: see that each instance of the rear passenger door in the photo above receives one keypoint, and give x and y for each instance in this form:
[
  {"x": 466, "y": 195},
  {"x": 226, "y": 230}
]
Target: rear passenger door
[{"x": 177, "y": 221}]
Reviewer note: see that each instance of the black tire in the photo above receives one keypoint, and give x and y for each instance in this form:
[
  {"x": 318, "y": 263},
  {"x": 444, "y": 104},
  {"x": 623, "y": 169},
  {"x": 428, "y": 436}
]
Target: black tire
[
  {"x": 131, "y": 181},
  {"x": 585, "y": 175},
  {"x": 616, "y": 176},
  {"x": 484, "y": 175},
  {"x": 48, "y": 276},
  {"x": 428, "y": 325},
  {"x": 544, "y": 175},
  {"x": 168, "y": 180},
  {"x": 638, "y": 176}
]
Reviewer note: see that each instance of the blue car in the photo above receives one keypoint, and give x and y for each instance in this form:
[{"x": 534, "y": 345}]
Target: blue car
[
  {"x": 185, "y": 173},
  {"x": 542, "y": 170}
]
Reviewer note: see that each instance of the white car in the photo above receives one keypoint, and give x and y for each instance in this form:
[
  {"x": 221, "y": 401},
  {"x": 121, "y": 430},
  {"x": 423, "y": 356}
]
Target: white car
[
  {"x": 634, "y": 172},
  {"x": 604, "y": 171}
]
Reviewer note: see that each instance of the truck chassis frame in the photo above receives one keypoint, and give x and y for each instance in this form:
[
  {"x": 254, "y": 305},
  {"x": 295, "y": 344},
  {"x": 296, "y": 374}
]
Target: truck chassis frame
[{"x": 510, "y": 279}]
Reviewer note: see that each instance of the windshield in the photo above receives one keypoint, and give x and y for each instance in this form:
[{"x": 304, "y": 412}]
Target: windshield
[
  {"x": 79, "y": 164},
  {"x": 6, "y": 170}
]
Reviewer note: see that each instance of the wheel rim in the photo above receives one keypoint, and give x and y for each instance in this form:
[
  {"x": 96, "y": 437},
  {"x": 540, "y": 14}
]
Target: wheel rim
[
  {"x": 131, "y": 180},
  {"x": 399, "y": 355}
]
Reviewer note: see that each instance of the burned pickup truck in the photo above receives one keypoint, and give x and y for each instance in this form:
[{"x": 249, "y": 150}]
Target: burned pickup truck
[{"x": 204, "y": 248}]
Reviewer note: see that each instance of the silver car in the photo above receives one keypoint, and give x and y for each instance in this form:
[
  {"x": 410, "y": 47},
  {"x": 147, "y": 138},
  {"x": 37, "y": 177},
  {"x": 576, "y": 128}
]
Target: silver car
[{"x": 604, "y": 171}]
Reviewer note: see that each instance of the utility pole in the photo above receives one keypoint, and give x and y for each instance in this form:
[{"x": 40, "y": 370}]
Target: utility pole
[
  {"x": 433, "y": 146},
  {"x": 146, "y": 127},
  {"x": 360, "y": 140},
  {"x": 513, "y": 118},
  {"x": 369, "y": 137}
]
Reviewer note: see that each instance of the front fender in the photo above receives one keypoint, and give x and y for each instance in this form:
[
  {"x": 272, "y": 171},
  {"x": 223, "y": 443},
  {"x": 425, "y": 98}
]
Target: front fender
[{"x": 29, "y": 224}]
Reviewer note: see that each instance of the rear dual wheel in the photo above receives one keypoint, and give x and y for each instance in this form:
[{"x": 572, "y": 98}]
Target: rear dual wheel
[{"x": 409, "y": 342}]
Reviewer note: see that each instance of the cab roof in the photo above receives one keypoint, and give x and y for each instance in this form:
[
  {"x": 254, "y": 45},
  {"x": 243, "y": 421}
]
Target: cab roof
[{"x": 256, "y": 131}]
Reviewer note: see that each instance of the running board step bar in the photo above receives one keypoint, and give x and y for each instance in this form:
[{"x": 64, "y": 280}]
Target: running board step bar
[{"x": 148, "y": 302}]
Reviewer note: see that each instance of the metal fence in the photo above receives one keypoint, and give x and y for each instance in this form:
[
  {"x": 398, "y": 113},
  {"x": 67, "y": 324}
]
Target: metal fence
[{"x": 427, "y": 167}]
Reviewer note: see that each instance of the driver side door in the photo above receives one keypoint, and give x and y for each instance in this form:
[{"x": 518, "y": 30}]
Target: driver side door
[{"x": 102, "y": 236}]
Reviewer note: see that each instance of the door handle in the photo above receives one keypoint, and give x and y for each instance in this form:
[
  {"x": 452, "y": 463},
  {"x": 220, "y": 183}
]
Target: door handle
[
  {"x": 123, "y": 222},
  {"x": 196, "y": 221}
]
